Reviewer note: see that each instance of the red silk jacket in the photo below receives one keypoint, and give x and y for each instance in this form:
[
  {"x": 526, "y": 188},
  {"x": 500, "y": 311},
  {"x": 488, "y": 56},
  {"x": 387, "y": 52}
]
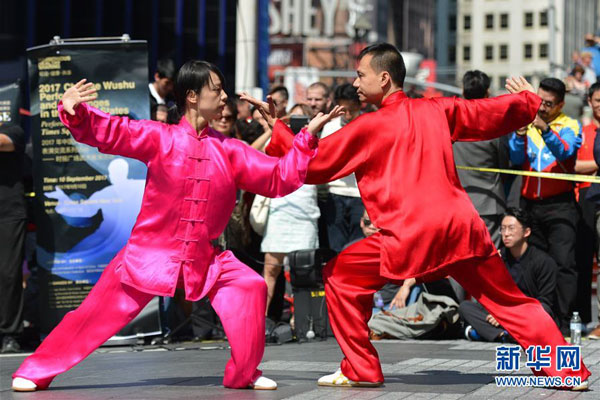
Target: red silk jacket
[{"x": 404, "y": 166}]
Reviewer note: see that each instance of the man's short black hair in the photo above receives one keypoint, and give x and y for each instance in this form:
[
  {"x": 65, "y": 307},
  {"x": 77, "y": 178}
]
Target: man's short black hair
[
  {"x": 555, "y": 86},
  {"x": 521, "y": 215},
  {"x": 281, "y": 89},
  {"x": 386, "y": 57},
  {"x": 475, "y": 84},
  {"x": 165, "y": 68},
  {"x": 593, "y": 89},
  {"x": 346, "y": 91}
]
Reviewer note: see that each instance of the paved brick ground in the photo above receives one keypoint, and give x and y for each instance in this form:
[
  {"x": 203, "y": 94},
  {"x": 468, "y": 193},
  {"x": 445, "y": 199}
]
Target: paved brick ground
[{"x": 448, "y": 370}]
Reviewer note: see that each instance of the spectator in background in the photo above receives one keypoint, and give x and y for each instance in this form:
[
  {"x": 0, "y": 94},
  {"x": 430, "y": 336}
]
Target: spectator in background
[
  {"x": 280, "y": 96},
  {"x": 575, "y": 83},
  {"x": 589, "y": 76},
  {"x": 248, "y": 131},
  {"x": 592, "y": 46},
  {"x": 533, "y": 271},
  {"x": 589, "y": 203},
  {"x": 225, "y": 124},
  {"x": 594, "y": 195},
  {"x": 257, "y": 116},
  {"x": 485, "y": 189},
  {"x": 298, "y": 109},
  {"x": 161, "y": 90},
  {"x": 292, "y": 225},
  {"x": 550, "y": 144},
  {"x": 244, "y": 109},
  {"x": 318, "y": 98},
  {"x": 343, "y": 208},
  {"x": 12, "y": 235}
]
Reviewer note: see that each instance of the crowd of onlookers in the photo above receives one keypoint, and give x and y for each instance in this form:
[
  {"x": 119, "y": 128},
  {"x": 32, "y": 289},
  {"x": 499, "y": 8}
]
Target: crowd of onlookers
[{"x": 546, "y": 229}]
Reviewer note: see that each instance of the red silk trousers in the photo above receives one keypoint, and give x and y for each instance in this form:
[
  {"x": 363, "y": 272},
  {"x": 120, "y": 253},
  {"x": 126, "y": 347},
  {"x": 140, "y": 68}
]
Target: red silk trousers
[
  {"x": 353, "y": 277},
  {"x": 238, "y": 296}
]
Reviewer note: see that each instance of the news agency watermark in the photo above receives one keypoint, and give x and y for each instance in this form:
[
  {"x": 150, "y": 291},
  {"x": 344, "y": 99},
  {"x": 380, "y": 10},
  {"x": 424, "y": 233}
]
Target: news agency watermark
[{"x": 567, "y": 358}]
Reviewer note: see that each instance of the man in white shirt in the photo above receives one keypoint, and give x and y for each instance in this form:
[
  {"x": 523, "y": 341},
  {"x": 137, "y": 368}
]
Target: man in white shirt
[
  {"x": 161, "y": 90},
  {"x": 344, "y": 208}
]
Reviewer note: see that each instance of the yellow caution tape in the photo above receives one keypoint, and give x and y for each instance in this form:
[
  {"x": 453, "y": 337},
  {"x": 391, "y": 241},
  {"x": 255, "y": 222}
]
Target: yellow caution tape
[{"x": 548, "y": 175}]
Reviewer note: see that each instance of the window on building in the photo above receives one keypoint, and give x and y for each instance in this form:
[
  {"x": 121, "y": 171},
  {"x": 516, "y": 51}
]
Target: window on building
[
  {"x": 452, "y": 23},
  {"x": 504, "y": 52},
  {"x": 489, "y": 21},
  {"x": 452, "y": 54},
  {"x": 529, "y": 78},
  {"x": 543, "y": 50},
  {"x": 501, "y": 81},
  {"x": 467, "y": 22},
  {"x": 503, "y": 21},
  {"x": 466, "y": 53},
  {"x": 489, "y": 52},
  {"x": 543, "y": 18},
  {"x": 528, "y": 51},
  {"x": 528, "y": 19}
]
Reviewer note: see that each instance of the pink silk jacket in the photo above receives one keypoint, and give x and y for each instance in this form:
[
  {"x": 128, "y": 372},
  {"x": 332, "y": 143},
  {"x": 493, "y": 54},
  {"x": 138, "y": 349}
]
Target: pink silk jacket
[{"x": 190, "y": 192}]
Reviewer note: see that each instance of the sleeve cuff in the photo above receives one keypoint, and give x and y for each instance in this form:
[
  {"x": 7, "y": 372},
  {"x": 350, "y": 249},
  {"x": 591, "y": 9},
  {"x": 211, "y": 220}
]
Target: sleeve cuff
[
  {"x": 547, "y": 133},
  {"x": 306, "y": 142},
  {"x": 72, "y": 120}
]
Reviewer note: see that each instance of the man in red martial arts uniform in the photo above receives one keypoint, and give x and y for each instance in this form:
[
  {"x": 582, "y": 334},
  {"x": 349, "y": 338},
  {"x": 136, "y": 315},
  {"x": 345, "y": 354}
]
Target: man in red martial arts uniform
[{"x": 402, "y": 158}]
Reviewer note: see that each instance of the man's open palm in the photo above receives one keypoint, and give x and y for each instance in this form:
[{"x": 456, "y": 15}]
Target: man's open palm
[{"x": 317, "y": 123}]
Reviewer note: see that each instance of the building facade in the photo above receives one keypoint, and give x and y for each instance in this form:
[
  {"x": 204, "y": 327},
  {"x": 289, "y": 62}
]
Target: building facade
[{"x": 508, "y": 38}]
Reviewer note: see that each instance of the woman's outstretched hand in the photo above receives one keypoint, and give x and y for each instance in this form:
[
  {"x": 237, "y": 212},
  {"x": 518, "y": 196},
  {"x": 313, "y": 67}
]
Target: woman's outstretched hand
[
  {"x": 79, "y": 93},
  {"x": 266, "y": 108}
]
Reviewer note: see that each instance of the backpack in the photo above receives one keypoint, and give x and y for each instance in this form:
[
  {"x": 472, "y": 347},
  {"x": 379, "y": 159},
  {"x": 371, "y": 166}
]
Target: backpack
[{"x": 430, "y": 317}]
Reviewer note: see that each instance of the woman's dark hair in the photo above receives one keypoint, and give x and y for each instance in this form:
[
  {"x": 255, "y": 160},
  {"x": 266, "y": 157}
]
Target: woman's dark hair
[
  {"x": 346, "y": 91},
  {"x": 249, "y": 130},
  {"x": 521, "y": 215},
  {"x": 193, "y": 76}
]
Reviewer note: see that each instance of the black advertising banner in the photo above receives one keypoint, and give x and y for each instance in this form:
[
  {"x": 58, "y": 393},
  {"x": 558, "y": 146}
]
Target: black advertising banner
[
  {"x": 10, "y": 101},
  {"x": 86, "y": 202}
]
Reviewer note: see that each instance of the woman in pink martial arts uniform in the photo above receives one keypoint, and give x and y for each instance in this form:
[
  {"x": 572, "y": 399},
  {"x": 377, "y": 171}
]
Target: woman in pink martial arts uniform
[{"x": 193, "y": 174}]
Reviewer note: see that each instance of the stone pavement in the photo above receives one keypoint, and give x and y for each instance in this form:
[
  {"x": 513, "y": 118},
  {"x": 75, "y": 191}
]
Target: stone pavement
[{"x": 450, "y": 369}]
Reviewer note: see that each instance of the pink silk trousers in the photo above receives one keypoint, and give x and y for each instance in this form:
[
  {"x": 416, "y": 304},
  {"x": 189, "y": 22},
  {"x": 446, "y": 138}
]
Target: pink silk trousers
[
  {"x": 353, "y": 277},
  {"x": 238, "y": 296}
]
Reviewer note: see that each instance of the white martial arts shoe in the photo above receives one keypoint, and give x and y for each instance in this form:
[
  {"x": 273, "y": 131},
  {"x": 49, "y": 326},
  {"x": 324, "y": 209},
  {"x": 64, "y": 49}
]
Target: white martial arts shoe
[
  {"x": 263, "y": 383},
  {"x": 581, "y": 387},
  {"x": 23, "y": 385},
  {"x": 338, "y": 379}
]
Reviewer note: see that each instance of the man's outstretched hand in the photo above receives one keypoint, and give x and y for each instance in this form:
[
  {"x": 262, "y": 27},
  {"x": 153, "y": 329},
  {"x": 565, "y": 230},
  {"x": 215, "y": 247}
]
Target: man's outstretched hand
[
  {"x": 316, "y": 124},
  {"x": 79, "y": 93},
  {"x": 518, "y": 85}
]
